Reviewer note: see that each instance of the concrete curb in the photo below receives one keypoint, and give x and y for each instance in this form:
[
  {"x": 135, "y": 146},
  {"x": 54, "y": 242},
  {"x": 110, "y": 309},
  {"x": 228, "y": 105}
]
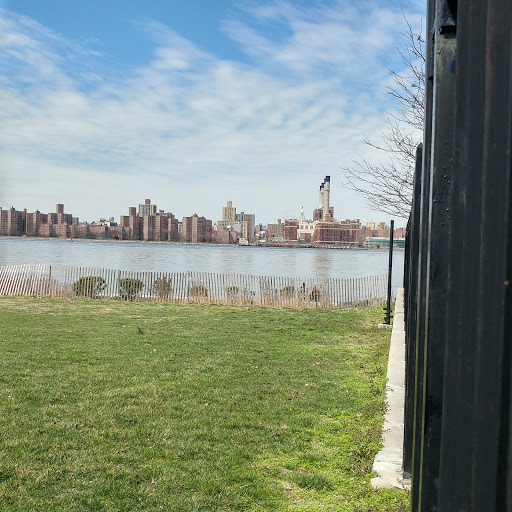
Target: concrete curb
[{"x": 389, "y": 461}]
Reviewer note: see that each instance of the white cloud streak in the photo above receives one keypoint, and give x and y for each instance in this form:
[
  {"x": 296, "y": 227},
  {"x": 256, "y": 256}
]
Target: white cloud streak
[{"x": 191, "y": 130}]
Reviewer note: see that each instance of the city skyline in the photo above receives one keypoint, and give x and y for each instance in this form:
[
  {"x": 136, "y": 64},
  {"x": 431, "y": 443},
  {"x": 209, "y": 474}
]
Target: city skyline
[
  {"x": 192, "y": 104},
  {"x": 150, "y": 224},
  {"x": 163, "y": 209}
]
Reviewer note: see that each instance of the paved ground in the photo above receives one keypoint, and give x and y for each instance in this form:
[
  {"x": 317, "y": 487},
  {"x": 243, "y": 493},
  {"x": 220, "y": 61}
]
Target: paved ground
[{"x": 388, "y": 462}]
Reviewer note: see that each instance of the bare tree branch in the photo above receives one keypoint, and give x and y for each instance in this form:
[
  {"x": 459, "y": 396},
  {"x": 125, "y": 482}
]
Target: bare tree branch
[{"x": 387, "y": 187}]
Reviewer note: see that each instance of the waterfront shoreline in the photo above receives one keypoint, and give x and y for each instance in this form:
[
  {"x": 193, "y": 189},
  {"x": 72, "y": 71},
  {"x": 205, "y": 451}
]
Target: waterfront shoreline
[
  {"x": 214, "y": 258},
  {"x": 203, "y": 244}
]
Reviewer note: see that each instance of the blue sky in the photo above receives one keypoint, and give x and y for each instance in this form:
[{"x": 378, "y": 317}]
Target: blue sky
[{"x": 192, "y": 104}]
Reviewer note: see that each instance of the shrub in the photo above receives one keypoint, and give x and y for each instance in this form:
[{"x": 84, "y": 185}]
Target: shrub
[
  {"x": 288, "y": 291},
  {"x": 162, "y": 287},
  {"x": 129, "y": 288},
  {"x": 89, "y": 286},
  {"x": 198, "y": 290},
  {"x": 232, "y": 291}
]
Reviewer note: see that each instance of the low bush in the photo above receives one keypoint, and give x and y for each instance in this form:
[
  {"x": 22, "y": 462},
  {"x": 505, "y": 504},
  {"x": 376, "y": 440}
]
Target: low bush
[
  {"x": 198, "y": 290},
  {"x": 162, "y": 287},
  {"x": 288, "y": 291},
  {"x": 129, "y": 288},
  {"x": 89, "y": 286},
  {"x": 232, "y": 291}
]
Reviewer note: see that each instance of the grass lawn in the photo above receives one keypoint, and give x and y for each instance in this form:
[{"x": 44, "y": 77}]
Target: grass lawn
[{"x": 115, "y": 406}]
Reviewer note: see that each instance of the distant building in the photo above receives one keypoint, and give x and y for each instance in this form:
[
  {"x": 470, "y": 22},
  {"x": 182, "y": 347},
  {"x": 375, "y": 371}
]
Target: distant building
[
  {"x": 247, "y": 222},
  {"x": 383, "y": 243},
  {"x": 324, "y": 212},
  {"x": 229, "y": 213},
  {"x": 239, "y": 225},
  {"x": 290, "y": 229},
  {"x": 226, "y": 236},
  {"x": 196, "y": 229},
  {"x": 376, "y": 229},
  {"x": 323, "y": 230},
  {"x": 11, "y": 222},
  {"x": 150, "y": 225},
  {"x": 275, "y": 232},
  {"x": 147, "y": 209},
  {"x": 345, "y": 233},
  {"x": 305, "y": 229},
  {"x": 132, "y": 224},
  {"x": 18, "y": 223},
  {"x": 373, "y": 234}
]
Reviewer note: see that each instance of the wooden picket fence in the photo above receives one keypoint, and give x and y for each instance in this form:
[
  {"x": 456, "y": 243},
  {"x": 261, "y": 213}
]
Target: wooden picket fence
[{"x": 191, "y": 287}]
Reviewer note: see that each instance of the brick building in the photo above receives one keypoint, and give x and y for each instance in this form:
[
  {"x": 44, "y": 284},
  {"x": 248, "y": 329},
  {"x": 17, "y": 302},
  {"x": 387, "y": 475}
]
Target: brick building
[
  {"x": 132, "y": 224},
  {"x": 150, "y": 225},
  {"x": 345, "y": 233},
  {"x": 275, "y": 232},
  {"x": 196, "y": 229},
  {"x": 241, "y": 225},
  {"x": 11, "y": 222},
  {"x": 290, "y": 229},
  {"x": 18, "y": 223},
  {"x": 375, "y": 231},
  {"x": 323, "y": 230}
]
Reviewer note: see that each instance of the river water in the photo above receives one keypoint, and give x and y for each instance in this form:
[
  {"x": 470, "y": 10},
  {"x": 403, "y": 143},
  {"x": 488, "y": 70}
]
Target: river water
[{"x": 165, "y": 257}]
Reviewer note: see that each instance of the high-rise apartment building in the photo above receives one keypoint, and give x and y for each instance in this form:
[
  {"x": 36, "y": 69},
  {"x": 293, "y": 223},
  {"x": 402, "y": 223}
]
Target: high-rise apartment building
[
  {"x": 240, "y": 225},
  {"x": 229, "y": 213},
  {"x": 150, "y": 225},
  {"x": 17, "y": 223},
  {"x": 147, "y": 208},
  {"x": 196, "y": 229},
  {"x": 247, "y": 222}
]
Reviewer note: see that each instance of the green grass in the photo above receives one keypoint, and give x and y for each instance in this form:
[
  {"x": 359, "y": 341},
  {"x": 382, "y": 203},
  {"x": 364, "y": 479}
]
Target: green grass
[{"x": 108, "y": 406}]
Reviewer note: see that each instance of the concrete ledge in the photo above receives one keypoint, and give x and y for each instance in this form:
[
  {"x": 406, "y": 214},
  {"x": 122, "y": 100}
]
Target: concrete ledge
[{"x": 389, "y": 461}]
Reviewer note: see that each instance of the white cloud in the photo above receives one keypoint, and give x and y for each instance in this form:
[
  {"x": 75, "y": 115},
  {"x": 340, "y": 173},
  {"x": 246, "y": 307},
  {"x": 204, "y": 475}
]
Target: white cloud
[{"x": 190, "y": 130}]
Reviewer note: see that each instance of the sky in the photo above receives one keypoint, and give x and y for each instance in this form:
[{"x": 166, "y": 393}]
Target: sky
[{"x": 192, "y": 104}]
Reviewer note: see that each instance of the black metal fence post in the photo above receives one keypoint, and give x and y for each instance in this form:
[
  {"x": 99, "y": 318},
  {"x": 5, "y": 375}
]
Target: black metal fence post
[
  {"x": 465, "y": 244},
  {"x": 438, "y": 255},
  {"x": 422, "y": 227},
  {"x": 389, "y": 316},
  {"x": 411, "y": 312}
]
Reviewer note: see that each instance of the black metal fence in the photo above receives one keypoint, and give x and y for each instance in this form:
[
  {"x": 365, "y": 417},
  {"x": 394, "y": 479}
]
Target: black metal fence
[{"x": 458, "y": 271}]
